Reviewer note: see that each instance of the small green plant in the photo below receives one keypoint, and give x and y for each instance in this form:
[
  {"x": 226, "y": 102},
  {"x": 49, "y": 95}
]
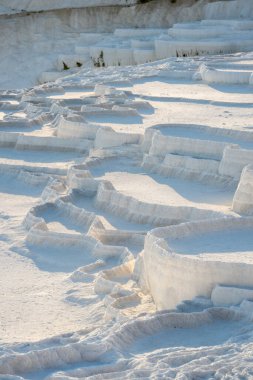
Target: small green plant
[
  {"x": 79, "y": 64},
  {"x": 65, "y": 66},
  {"x": 99, "y": 62},
  {"x": 96, "y": 62}
]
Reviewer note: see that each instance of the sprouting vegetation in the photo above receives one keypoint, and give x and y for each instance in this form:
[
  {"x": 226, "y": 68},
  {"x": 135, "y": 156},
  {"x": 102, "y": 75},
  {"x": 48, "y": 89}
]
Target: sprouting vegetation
[
  {"x": 65, "y": 66},
  {"x": 99, "y": 62}
]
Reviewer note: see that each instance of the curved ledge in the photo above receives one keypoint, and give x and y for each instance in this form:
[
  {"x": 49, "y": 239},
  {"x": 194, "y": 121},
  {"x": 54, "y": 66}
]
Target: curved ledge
[{"x": 173, "y": 277}]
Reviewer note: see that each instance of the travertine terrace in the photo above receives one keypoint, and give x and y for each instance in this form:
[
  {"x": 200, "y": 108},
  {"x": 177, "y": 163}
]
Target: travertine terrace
[{"x": 126, "y": 164}]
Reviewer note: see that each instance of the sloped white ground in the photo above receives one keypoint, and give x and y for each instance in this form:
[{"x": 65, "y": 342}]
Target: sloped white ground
[
  {"x": 126, "y": 193},
  {"x": 98, "y": 170}
]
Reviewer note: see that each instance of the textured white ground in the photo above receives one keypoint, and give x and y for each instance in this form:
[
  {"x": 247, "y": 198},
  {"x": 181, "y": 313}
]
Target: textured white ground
[
  {"x": 56, "y": 323},
  {"x": 81, "y": 191},
  {"x": 215, "y": 106},
  {"x": 35, "y": 286}
]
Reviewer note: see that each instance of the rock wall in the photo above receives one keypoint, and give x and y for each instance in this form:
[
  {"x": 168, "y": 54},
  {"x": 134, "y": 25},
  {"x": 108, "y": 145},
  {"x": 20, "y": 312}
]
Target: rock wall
[
  {"x": 229, "y": 9},
  {"x": 45, "y": 5},
  {"x": 32, "y": 40}
]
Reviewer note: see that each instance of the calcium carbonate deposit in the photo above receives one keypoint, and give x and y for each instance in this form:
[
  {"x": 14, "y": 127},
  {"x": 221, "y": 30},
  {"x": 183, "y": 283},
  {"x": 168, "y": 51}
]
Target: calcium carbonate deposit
[{"x": 126, "y": 166}]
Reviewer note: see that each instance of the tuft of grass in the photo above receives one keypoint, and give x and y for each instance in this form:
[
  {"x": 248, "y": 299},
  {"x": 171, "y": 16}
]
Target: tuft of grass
[
  {"x": 79, "y": 64},
  {"x": 99, "y": 62},
  {"x": 65, "y": 66}
]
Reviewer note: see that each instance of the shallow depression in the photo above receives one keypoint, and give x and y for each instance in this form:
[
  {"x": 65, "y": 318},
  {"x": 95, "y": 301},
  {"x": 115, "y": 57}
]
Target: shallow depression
[
  {"x": 203, "y": 133},
  {"x": 111, "y": 221},
  {"x": 57, "y": 221},
  {"x": 207, "y": 335},
  {"x": 134, "y": 181},
  {"x": 227, "y": 241}
]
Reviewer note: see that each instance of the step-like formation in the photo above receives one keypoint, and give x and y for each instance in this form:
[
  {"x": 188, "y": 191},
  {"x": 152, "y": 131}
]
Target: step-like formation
[
  {"x": 91, "y": 209},
  {"x": 134, "y": 215},
  {"x": 211, "y": 253},
  {"x": 126, "y": 47},
  {"x": 201, "y": 153},
  {"x": 235, "y": 71},
  {"x": 205, "y": 37}
]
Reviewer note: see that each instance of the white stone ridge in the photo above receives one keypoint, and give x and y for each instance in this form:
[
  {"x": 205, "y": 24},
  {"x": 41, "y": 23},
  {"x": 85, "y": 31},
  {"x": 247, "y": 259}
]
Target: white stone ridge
[
  {"x": 202, "y": 170},
  {"x": 42, "y": 237},
  {"x": 243, "y": 198},
  {"x": 52, "y": 143},
  {"x": 162, "y": 145},
  {"x": 229, "y": 295},
  {"x": 101, "y": 89},
  {"x": 229, "y": 75},
  {"x": 93, "y": 241},
  {"x": 118, "y": 340},
  {"x": 103, "y": 137},
  {"x": 191, "y": 164},
  {"x": 77, "y": 126},
  {"x": 9, "y": 139},
  {"x": 188, "y": 276},
  {"x": 234, "y": 160},
  {"x": 208, "y": 159},
  {"x": 147, "y": 213},
  {"x": 78, "y": 179},
  {"x": 107, "y": 137},
  {"x": 108, "y": 198},
  {"x": 116, "y": 110}
]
